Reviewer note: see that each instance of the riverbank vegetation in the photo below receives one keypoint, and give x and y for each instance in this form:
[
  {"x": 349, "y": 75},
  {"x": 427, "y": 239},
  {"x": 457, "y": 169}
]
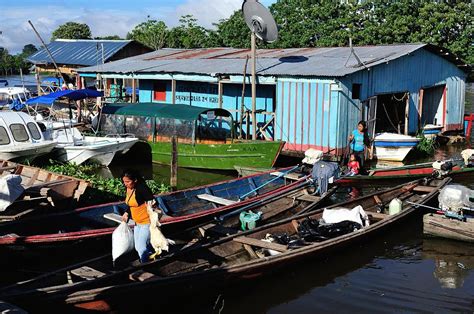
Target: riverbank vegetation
[
  {"x": 101, "y": 189},
  {"x": 305, "y": 23}
]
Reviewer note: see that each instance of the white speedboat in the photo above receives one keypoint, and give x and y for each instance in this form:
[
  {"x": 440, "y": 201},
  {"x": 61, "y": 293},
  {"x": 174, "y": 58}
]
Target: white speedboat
[
  {"x": 431, "y": 131},
  {"x": 21, "y": 138},
  {"x": 75, "y": 148},
  {"x": 393, "y": 147},
  {"x": 13, "y": 97}
]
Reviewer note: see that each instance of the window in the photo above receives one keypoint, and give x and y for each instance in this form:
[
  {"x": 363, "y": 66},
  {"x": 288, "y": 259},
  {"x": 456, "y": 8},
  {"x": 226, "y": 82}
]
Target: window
[
  {"x": 35, "y": 133},
  {"x": 19, "y": 132},
  {"x": 159, "y": 91},
  {"x": 4, "y": 138},
  {"x": 356, "y": 91}
]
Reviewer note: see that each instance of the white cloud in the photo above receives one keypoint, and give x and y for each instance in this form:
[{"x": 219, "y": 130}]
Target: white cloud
[{"x": 16, "y": 32}]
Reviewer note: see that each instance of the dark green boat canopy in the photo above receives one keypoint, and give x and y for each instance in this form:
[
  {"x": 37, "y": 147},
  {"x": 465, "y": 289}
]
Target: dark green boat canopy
[
  {"x": 160, "y": 110},
  {"x": 157, "y": 121}
]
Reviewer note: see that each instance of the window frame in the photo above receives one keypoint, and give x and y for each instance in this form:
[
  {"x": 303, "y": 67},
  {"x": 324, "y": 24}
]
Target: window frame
[
  {"x": 6, "y": 133},
  {"x": 35, "y": 130},
  {"x": 13, "y": 133}
]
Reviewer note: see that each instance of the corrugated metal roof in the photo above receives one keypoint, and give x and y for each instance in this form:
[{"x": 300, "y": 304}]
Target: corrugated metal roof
[
  {"x": 327, "y": 62},
  {"x": 78, "y": 51}
]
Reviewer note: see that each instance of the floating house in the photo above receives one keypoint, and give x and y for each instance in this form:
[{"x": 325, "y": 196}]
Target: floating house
[
  {"x": 71, "y": 54},
  {"x": 308, "y": 97}
]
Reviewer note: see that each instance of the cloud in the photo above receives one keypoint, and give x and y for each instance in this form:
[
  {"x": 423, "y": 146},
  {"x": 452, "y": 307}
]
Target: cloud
[{"x": 16, "y": 32}]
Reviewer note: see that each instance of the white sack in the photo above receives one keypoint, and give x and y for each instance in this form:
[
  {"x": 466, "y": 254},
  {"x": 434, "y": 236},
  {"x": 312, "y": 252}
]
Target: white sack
[
  {"x": 10, "y": 190},
  {"x": 122, "y": 240},
  {"x": 336, "y": 215}
]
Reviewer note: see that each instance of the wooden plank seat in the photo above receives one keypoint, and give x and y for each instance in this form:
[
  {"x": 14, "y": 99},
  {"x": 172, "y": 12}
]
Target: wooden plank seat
[
  {"x": 140, "y": 275},
  {"x": 117, "y": 218},
  {"x": 7, "y": 168},
  {"x": 216, "y": 199},
  {"x": 87, "y": 273},
  {"x": 308, "y": 198},
  {"x": 377, "y": 215},
  {"x": 290, "y": 176},
  {"x": 422, "y": 188},
  {"x": 261, "y": 243}
]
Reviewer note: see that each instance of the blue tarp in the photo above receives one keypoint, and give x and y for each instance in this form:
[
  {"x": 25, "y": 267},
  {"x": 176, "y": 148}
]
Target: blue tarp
[{"x": 71, "y": 94}]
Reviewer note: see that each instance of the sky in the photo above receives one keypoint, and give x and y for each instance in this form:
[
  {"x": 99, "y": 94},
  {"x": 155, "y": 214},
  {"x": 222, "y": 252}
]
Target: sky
[{"x": 104, "y": 17}]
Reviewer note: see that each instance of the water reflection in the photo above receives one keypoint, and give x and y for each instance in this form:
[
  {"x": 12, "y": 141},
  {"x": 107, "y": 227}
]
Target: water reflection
[{"x": 453, "y": 261}]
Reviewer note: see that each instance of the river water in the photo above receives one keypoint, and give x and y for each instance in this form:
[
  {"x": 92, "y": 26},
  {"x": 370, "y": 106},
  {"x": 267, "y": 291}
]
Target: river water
[{"x": 400, "y": 271}]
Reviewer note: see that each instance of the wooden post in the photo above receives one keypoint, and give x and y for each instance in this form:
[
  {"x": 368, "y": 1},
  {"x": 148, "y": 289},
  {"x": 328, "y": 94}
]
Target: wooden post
[
  {"x": 134, "y": 90},
  {"x": 174, "y": 163},
  {"x": 173, "y": 91}
]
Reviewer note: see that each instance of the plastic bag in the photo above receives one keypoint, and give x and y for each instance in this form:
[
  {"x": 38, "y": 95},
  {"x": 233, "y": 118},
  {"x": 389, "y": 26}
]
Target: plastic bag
[
  {"x": 355, "y": 214},
  {"x": 122, "y": 240},
  {"x": 455, "y": 196},
  {"x": 10, "y": 190}
]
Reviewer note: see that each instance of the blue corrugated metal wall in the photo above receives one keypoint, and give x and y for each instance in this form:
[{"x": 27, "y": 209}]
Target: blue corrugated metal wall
[
  {"x": 307, "y": 114},
  {"x": 410, "y": 73},
  {"x": 206, "y": 94}
]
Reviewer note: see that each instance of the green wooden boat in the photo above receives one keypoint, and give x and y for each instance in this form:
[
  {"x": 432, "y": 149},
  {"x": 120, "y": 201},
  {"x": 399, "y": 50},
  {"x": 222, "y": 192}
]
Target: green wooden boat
[{"x": 205, "y": 135}]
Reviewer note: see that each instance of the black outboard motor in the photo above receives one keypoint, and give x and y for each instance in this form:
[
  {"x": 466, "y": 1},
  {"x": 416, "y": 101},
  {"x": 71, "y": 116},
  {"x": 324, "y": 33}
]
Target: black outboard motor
[{"x": 441, "y": 168}]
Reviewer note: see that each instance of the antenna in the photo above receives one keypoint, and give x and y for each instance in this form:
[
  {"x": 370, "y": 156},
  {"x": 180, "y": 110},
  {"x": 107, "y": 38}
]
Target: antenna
[
  {"x": 353, "y": 52},
  {"x": 263, "y": 26}
]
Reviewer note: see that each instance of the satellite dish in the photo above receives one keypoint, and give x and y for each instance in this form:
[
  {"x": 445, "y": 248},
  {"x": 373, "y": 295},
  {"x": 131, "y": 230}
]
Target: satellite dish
[{"x": 260, "y": 21}]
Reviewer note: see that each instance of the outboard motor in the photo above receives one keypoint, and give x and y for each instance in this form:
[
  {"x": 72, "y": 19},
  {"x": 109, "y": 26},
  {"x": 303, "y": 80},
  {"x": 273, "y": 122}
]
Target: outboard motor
[{"x": 441, "y": 168}]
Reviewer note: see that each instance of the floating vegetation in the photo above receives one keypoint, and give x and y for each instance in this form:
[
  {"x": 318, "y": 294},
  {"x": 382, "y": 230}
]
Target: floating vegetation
[{"x": 426, "y": 145}]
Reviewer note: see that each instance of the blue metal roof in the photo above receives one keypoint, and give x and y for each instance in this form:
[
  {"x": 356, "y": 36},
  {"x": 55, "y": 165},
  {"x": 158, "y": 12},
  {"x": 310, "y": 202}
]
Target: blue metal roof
[{"x": 79, "y": 51}]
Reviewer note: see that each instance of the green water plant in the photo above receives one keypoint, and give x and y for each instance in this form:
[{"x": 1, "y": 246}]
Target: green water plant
[
  {"x": 426, "y": 145},
  {"x": 101, "y": 189}
]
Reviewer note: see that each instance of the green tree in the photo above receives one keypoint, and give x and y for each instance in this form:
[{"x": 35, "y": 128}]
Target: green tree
[
  {"x": 28, "y": 50},
  {"x": 232, "y": 32},
  {"x": 72, "y": 30},
  {"x": 151, "y": 33},
  {"x": 188, "y": 34},
  {"x": 110, "y": 37}
]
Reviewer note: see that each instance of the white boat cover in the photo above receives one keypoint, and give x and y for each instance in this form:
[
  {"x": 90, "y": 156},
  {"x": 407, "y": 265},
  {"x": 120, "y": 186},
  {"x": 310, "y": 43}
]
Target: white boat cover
[{"x": 10, "y": 190}]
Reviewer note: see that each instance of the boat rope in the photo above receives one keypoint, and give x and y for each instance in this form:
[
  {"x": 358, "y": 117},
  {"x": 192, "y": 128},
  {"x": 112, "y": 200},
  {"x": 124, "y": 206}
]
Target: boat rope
[{"x": 389, "y": 120}]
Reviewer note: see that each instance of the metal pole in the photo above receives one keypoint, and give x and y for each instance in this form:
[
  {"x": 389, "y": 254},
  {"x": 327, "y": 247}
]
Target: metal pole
[
  {"x": 254, "y": 87},
  {"x": 47, "y": 50}
]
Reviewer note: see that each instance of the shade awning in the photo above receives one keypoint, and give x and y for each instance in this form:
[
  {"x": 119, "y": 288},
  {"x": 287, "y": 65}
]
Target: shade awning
[
  {"x": 160, "y": 110},
  {"x": 71, "y": 94}
]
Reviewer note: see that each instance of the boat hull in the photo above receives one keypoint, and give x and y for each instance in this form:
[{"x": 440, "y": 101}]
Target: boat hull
[
  {"x": 25, "y": 153},
  {"x": 259, "y": 154},
  {"x": 98, "y": 150},
  {"x": 442, "y": 227},
  {"x": 393, "y": 147}
]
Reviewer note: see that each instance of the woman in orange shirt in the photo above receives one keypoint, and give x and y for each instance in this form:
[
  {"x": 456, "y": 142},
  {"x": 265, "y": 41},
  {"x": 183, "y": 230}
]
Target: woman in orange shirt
[{"x": 138, "y": 193}]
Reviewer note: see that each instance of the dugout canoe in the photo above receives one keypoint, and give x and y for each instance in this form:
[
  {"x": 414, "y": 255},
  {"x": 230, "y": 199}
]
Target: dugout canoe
[
  {"x": 182, "y": 209},
  {"x": 239, "y": 257},
  {"x": 42, "y": 189}
]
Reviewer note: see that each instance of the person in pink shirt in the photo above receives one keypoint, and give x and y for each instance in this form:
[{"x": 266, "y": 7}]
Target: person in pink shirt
[{"x": 353, "y": 165}]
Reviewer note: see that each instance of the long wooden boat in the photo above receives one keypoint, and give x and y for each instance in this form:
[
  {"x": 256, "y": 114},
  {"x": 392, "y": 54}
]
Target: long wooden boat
[
  {"x": 436, "y": 225},
  {"x": 41, "y": 188},
  {"x": 199, "y": 268},
  {"x": 205, "y": 136},
  {"x": 403, "y": 173},
  {"x": 182, "y": 209}
]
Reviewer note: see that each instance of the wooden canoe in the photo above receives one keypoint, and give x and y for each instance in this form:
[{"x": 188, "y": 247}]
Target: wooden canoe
[
  {"x": 404, "y": 173},
  {"x": 437, "y": 225},
  {"x": 42, "y": 188},
  {"x": 238, "y": 257},
  {"x": 183, "y": 209}
]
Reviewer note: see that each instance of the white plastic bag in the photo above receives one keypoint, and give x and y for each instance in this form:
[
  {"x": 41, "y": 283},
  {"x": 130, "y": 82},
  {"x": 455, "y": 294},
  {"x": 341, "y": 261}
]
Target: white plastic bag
[
  {"x": 356, "y": 214},
  {"x": 122, "y": 240},
  {"x": 10, "y": 190}
]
